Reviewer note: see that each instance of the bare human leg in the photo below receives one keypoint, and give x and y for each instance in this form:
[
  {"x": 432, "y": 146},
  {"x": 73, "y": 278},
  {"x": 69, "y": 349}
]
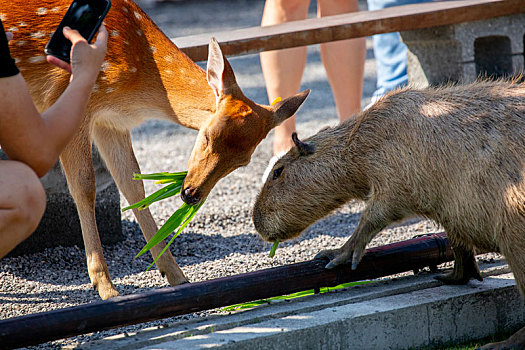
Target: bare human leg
[{"x": 22, "y": 204}]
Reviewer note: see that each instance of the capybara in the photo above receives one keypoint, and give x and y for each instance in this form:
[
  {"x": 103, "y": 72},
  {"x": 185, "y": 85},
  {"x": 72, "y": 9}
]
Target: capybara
[{"x": 454, "y": 154}]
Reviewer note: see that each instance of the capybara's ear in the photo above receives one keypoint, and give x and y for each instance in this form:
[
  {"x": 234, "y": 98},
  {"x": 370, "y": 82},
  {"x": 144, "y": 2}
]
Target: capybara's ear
[
  {"x": 219, "y": 73},
  {"x": 287, "y": 107},
  {"x": 303, "y": 147}
]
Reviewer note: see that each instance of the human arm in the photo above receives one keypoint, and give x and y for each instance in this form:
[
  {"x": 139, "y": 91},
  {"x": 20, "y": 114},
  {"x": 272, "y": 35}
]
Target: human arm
[{"x": 38, "y": 140}]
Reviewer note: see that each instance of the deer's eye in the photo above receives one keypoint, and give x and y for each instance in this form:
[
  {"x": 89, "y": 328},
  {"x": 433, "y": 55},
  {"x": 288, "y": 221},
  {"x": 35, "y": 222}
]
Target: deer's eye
[{"x": 277, "y": 172}]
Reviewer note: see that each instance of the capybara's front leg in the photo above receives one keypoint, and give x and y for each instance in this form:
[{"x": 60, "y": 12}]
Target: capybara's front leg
[
  {"x": 375, "y": 217},
  {"x": 465, "y": 267}
]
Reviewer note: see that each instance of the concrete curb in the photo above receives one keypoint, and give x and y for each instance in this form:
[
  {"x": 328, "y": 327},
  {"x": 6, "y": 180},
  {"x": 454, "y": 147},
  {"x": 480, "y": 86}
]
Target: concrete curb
[{"x": 408, "y": 312}]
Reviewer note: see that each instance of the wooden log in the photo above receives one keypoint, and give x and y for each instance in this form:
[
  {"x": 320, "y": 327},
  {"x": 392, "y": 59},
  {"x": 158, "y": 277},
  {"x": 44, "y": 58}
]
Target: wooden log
[
  {"x": 347, "y": 26},
  {"x": 399, "y": 257}
]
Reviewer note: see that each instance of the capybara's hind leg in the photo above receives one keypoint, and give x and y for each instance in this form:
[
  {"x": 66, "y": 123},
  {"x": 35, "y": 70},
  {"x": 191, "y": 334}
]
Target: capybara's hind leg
[
  {"x": 512, "y": 248},
  {"x": 514, "y": 342},
  {"x": 465, "y": 268}
]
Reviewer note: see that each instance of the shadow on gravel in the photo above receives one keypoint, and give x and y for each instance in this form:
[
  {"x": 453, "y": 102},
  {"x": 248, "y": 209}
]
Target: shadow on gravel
[
  {"x": 48, "y": 297},
  {"x": 67, "y": 266}
]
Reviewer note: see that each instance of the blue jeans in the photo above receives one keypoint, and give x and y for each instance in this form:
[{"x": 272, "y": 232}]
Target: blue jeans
[{"x": 390, "y": 52}]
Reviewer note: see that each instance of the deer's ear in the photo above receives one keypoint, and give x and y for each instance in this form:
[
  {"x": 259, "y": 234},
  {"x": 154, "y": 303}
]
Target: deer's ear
[
  {"x": 287, "y": 107},
  {"x": 219, "y": 73}
]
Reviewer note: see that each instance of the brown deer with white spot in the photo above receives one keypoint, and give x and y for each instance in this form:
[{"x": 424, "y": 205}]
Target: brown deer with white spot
[{"x": 145, "y": 76}]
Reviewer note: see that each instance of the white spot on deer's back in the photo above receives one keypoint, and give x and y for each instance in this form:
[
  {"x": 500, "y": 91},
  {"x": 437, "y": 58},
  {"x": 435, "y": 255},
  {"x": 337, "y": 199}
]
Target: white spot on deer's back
[
  {"x": 38, "y": 35},
  {"x": 109, "y": 90},
  {"x": 12, "y": 29},
  {"x": 41, "y": 11},
  {"x": 168, "y": 71},
  {"x": 3, "y": 17},
  {"x": 95, "y": 88},
  {"x": 114, "y": 33},
  {"x": 137, "y": 15},
  {"x": 105, "y": 66},
  {"x": 133, "y": 70},
  {"x": 37, "y": 59},
  {"x": 125, "y": 9},
  {"x": 153, "y": 49},
  {"x": 55, "y": 9},
  {"x": 22, "y": 24},
  {"x": 21, "y": 43},
  {"x": 17, "y": 60},
  {"x": 168, "y": 59},
  {"x": 139, "y": 32}
]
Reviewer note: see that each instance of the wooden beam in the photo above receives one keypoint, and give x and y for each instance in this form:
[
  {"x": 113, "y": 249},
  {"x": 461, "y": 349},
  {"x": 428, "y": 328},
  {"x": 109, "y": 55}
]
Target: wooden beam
[
  {"x": 347, "y": 26},
  {"x": 399, "y": 257}
]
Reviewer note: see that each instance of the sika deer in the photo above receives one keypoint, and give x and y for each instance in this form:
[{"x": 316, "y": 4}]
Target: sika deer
[{"x": 144, "y": 76}]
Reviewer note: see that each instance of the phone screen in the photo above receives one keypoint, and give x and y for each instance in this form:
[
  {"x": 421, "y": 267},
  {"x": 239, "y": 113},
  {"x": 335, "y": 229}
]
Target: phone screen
[{"x": 86, "y": 16}]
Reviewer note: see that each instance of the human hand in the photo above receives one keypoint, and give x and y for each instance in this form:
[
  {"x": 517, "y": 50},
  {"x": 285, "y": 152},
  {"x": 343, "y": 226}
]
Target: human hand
[{"x": 86, "y": 59}]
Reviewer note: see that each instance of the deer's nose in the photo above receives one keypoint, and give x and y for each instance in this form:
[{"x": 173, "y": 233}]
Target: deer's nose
[{"x": 190, "y": 196}]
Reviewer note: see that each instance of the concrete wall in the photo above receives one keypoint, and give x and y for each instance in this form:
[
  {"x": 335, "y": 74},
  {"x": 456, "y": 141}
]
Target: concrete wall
[{"x": 462, "y": 52}]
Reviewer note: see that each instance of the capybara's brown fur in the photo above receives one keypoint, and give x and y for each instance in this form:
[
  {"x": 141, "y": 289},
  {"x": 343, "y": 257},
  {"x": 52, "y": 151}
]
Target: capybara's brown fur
[{"x": 454, "y": 154}]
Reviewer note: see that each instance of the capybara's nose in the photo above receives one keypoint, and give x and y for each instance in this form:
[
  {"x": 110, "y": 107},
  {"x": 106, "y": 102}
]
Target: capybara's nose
[{"x": 190, "y": 196}]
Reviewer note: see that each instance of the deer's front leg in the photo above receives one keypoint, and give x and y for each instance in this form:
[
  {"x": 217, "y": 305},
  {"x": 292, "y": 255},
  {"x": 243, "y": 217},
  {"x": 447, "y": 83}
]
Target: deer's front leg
[
  {"x": 374, "y": 218},
  {"x": 78, "y": 166},
  {"x": 116, "y": 149}
]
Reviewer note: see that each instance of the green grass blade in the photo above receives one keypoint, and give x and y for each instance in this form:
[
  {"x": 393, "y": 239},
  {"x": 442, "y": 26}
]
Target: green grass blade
[
  {"x": 171, "y": 224},
  {"x": 252, "y": 304},
  {"x": 161, "y": 176},
  {"x": 173, "y": 192},
  {"x": 166, "y": 181},
  {"x": 189, "y": 216},
  {"x": 151, "y": 198},
  {"x": 274, "y": 248},
  {"x": 179, "y": 219}
]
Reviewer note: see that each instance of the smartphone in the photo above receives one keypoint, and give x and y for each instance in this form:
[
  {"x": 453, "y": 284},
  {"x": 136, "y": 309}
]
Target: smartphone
[{"x": 86, "y": 16}]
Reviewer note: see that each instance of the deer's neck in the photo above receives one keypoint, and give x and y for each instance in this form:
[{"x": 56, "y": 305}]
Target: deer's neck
[
  {"x": 179, "y": 85},
  {"x": 191, "y": 99},
  {"x": 145, "y": 63}
]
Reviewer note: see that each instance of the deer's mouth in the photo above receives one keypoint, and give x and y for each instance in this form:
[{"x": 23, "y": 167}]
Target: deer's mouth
[{"x": 191, "y": 196}]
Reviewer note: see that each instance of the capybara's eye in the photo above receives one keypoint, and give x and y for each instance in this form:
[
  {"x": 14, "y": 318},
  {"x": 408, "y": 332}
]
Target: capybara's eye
[{"x": 277, "y": 172}]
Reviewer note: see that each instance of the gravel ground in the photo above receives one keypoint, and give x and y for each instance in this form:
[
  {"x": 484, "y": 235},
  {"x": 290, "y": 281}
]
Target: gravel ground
[{"x": 221, "y": 240}]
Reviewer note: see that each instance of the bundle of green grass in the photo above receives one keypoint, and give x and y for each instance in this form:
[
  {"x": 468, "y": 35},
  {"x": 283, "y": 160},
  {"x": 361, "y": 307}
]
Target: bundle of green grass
[
  {"x": 178, "y": 221},
  {"x": 182, "y": 216}
]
